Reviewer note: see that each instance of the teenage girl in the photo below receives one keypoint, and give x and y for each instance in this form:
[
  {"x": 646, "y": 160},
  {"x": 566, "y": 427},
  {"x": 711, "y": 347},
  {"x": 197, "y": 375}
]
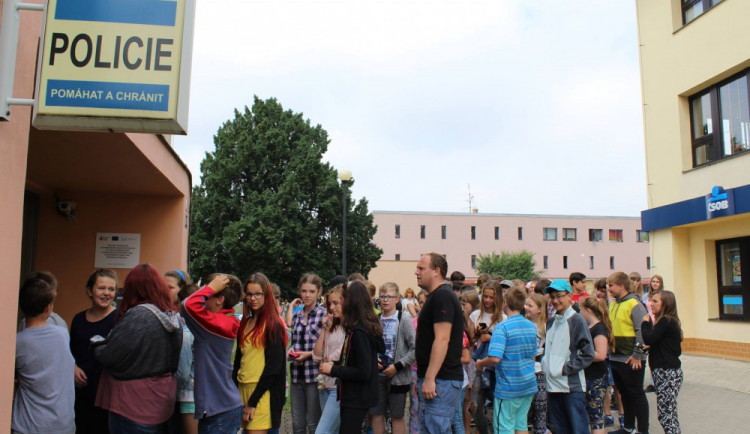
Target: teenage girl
[
  {"x": 306, "y": 326},
  {"x": 484, "y": 320},
  {"x": 98, "y": 319},
  {"x": 328, "y": 349},
  {"x": 261, "y": 352},
  {"x": 536, "y": 312},
  {"x": 180, "y": 288},
  {"x": 469, "y": 303},
  {"x": 358, "y": 370},
  {"x": 595, "y": 312},
  {"x": 665, "y": 337}
]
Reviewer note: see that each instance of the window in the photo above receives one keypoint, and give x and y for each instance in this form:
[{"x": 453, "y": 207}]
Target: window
[
  {"x": 549, "y": 234},
  {"x": 733, "y": 290},
  {"x": 565, "y": 262},
  {"x": 443, "y": 232},
  {"x": 596, "y": 235},
  {"x": 497, "y": 232},
  {"x": 398, "y": 231},
  {"x": 569, "y": 234},
  {"x": 641, "y": 236},
  {"x": 473, "y": 232},
  {"x": 692, "y": 9},
  {"x": 615, "y": 235},
  {"x": 421, "y": 232},
  {"x": 591, "y": 262},
  {"x": 473, "y": 261},
  {"x": 611, "y": 262},
  {"x": 648, "y": 262},
  {"x": 720, "y": 120},
  {"x": 398, "y": 256},
  {"x": 520, "y": 233},
  {"x": 545, "y": 262}
]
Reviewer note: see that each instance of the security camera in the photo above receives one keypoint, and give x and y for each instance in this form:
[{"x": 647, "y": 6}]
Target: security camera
[{"x": 66, "y": 208}]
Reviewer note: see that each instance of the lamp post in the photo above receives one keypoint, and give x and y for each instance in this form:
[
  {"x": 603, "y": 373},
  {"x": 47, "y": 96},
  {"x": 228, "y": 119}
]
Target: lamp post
[{"x": 346, "y": 177}]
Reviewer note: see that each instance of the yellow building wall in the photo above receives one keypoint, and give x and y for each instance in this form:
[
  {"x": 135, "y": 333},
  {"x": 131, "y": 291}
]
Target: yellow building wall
[{"x": 678, "y": 61}]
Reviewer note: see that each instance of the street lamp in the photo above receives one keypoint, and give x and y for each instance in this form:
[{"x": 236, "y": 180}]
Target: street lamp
[{"x": 346, "y": 177}]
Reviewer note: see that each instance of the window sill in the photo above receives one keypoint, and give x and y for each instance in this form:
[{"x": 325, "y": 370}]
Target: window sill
[
  {"x": 728, "y": 320},
  {"x": 731, "y": 157}
]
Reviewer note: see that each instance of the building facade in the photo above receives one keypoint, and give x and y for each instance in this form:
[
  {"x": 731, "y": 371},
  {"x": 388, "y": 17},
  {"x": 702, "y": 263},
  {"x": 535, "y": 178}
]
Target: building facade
[
  {"x": 595, "y": 246},
  {"x": 695, "y": 67},
  {"x": 61, "y": 190}
]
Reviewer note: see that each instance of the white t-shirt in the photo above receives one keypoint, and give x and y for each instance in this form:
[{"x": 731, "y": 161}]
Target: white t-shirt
[{"x": 486, "y": 318}]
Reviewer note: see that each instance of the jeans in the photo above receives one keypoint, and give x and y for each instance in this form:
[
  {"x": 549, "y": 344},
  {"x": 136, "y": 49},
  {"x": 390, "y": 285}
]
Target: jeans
[
  {"x": 330, "y": 419},
  {"x": 222, "y": 423},
  {"x": 435, "y": 414},
  {"x": 122, "y": 425},
  {"x": 630, "y": 384},
  {"x": 567, "y": 413},
  {"x": 305, "y": 402}
]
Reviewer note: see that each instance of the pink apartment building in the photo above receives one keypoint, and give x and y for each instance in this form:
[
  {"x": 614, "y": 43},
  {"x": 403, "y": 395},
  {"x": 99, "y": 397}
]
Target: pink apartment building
[{"x": 593, "y": 245}]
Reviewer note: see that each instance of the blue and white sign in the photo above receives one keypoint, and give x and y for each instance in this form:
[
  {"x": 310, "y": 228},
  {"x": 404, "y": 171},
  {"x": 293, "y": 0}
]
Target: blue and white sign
[{"x": 719, "y": 203}]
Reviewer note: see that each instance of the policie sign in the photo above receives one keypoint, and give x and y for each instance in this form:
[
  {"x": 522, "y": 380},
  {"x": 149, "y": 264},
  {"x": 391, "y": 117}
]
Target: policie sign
[{"x": 115, "y": 65}]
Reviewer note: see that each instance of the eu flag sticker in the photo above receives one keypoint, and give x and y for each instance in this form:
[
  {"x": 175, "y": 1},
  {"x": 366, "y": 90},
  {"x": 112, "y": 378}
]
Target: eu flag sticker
[{"x": 150, "y": 12}]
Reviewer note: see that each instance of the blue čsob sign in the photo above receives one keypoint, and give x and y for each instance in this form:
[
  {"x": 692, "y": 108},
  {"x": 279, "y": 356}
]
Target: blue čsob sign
[{"x": 719, "y": 203}]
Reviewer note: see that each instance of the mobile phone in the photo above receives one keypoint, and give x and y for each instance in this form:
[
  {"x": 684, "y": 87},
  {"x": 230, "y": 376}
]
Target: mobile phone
[
  {"x": 483, "y": 325},
  {"x": 293, "y": 354}
]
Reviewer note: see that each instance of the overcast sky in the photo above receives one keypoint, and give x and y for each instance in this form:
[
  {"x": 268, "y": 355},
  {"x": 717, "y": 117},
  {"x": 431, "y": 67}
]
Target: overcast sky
[{"x": 534, "y": 104}]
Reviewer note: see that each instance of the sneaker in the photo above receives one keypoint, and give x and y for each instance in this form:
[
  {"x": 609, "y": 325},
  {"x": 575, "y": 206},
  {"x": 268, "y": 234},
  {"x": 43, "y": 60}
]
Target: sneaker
[
  {"x": 650, "y": 389},
  {"x": 622, "y": 421},
  {"x": 609, "y": 421}
]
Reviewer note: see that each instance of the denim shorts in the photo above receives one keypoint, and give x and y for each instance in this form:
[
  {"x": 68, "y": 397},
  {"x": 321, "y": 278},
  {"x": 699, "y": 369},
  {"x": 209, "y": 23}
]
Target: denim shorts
[{"x": 435, "y": 414}]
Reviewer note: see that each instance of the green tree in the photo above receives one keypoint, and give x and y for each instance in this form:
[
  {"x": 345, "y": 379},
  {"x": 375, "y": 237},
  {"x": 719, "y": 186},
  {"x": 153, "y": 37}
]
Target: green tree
[
  {"x": 267, "y": 202},
  {"x": 510, "y": 265}
]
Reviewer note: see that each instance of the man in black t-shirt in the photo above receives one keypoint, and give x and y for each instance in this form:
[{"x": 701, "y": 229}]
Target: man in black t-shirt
[{"x": 438, "y": 348}]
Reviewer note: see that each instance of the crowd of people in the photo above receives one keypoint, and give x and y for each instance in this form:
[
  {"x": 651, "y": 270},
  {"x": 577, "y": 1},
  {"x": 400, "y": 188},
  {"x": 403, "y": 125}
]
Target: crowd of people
[{"x": 500, "y": 356}]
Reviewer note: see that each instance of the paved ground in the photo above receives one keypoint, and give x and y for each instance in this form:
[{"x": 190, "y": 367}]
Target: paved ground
[{"x": 713, "y": 399}]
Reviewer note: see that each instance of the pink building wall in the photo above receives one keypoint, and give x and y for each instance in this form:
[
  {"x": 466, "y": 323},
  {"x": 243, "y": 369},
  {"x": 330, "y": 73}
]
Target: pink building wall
[{"x": 629, "y": 255}]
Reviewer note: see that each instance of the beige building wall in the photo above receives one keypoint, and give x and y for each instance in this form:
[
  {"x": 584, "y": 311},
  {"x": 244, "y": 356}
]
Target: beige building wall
[
  {"x": 677, "y": 62},
  {"x": 399, "y": 272}
]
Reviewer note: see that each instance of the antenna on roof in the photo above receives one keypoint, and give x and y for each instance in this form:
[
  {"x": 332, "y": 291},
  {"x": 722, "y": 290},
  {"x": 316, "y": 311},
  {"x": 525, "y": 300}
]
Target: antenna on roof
[{"x": 471, "y": 200}]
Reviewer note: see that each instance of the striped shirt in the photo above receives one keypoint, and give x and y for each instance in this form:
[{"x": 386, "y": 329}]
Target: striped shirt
[{"x": 514, "y": 343}]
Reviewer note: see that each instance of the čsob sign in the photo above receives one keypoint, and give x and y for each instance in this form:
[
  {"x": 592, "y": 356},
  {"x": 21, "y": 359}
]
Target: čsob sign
[
  {"x": 719, "y": 203},
  {"x": 115, "y": 65}
]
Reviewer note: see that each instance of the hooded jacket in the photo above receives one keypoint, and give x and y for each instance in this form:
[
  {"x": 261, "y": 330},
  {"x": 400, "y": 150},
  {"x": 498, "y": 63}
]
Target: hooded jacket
[
  {"x": 145, "y": 342},
  {"x": 358, "y": 373},
  {"x": 626, "y": 316},
  {"x": 568, "y": 350}
]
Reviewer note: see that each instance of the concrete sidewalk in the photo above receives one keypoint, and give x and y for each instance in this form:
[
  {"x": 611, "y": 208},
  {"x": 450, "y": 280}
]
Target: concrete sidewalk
[{"x": 713, "y": 398}]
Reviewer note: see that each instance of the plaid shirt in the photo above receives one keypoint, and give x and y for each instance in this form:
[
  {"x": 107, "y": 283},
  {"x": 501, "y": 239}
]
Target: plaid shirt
[{"x": 305, "y": 331}]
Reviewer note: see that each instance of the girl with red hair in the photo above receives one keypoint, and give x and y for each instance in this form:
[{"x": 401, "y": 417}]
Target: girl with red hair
[
  {"x": 140, "y": 356},
  {"x": 259, "y": 363}
]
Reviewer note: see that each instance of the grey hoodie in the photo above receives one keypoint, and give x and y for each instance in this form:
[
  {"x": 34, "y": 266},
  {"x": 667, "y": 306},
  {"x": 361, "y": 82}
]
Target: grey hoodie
[{"x": 145, "y": 342}]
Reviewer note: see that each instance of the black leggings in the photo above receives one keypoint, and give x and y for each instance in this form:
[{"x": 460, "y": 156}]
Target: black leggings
[
  {"x": 630, "y": 384},
  {"x": 351, "y": 420}
]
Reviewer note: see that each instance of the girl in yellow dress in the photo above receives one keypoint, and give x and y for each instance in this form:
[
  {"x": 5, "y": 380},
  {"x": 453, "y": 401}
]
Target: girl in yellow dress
[{"x": 261, "y": 357}]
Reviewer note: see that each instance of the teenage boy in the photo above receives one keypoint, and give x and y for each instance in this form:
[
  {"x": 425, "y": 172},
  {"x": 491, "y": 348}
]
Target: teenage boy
[
  {"x": 394, "y": 379},
  {"x": 210, "y": 316},
  {"x": 567, "y": 352},
  {"x": 512, "y": 350},
  {"x": 45, "y": 395},
  {"x": 626, "y": 313},
  {"x": 578, "y": 285}
]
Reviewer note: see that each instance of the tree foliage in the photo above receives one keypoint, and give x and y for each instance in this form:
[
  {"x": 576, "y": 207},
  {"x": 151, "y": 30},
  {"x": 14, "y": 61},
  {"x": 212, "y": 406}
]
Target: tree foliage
[
  {"x": 510, "y": 265},
  {"x": 267, "y": 202}
]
